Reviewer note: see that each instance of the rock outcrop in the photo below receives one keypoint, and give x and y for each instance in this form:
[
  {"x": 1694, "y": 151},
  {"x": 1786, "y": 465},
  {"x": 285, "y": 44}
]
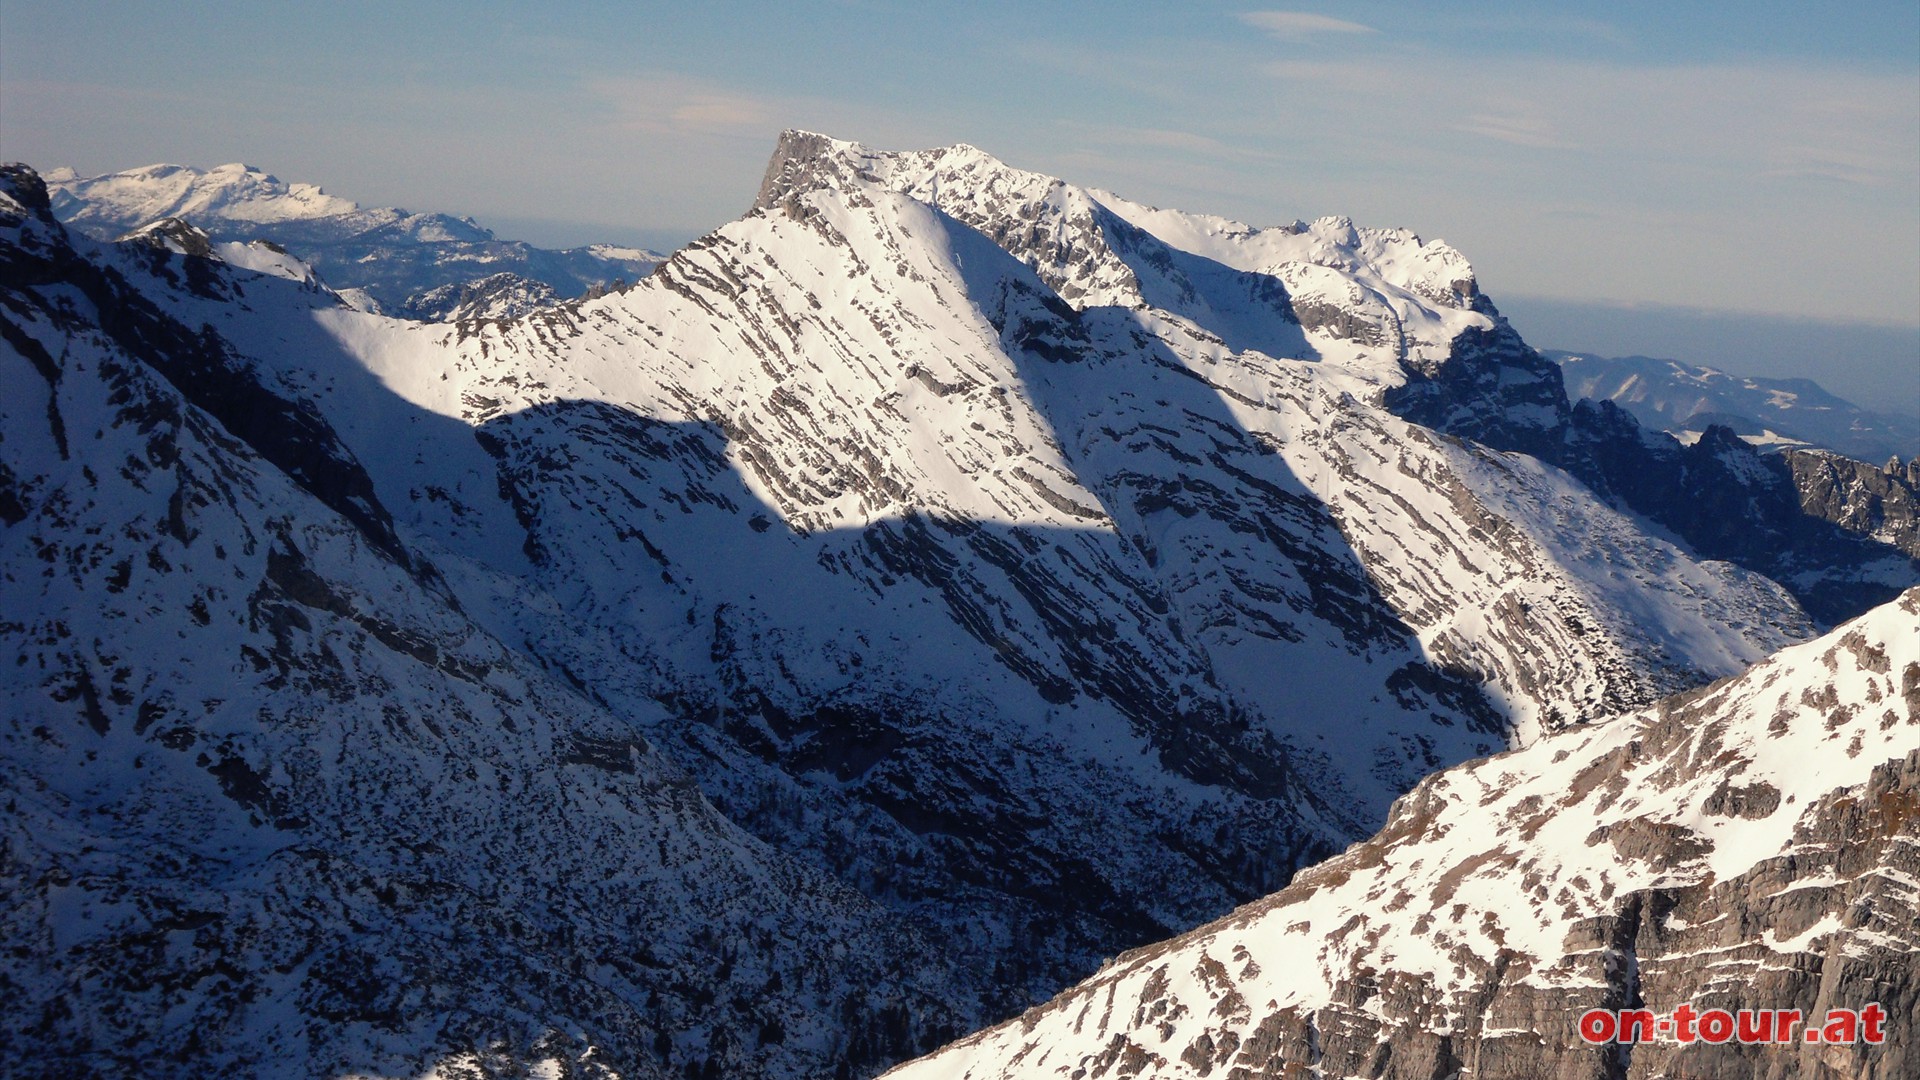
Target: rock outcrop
[
  {"x": 1876, "y": 502},
  {"x": 499, "y": 296},
  {"x": 1726, "y": 498}
]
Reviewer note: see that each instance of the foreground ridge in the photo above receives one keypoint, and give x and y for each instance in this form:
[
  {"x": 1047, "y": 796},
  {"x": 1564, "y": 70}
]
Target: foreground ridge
[{"x": 1750, "y": 845}]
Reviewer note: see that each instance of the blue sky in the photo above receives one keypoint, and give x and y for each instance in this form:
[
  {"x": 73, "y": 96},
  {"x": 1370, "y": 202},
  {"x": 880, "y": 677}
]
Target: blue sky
[{"x": 1627, "y": 156}]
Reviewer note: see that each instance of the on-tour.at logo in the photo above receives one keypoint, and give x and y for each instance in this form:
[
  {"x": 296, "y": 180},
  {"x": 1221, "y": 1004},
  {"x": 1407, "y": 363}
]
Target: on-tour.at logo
[{"x": 1687, "y": 1025}]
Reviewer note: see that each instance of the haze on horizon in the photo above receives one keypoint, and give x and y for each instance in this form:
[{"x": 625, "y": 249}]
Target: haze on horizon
[{"x": 1738, "y": 187}]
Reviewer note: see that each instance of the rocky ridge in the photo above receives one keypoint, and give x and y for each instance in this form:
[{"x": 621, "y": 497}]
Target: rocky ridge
[
  {"x": 1880, "y": 502},
  {"x": 501, "y": 296},
  {"x": 1403, "y": 314}
]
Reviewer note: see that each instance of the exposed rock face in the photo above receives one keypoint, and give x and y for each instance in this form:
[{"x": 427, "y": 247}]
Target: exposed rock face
[
  {"x": 1496, "y": 390},
  {"x": 1727, "y": 499},
  {"x": 171, "y": 234},
  {"x": 1752, "y": 845},
  {"x": 1880, "y": 503}
]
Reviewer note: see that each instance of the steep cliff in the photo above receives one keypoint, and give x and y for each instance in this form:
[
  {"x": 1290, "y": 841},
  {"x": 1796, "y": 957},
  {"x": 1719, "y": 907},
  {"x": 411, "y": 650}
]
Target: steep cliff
[{"x": 1876, "y": 501}]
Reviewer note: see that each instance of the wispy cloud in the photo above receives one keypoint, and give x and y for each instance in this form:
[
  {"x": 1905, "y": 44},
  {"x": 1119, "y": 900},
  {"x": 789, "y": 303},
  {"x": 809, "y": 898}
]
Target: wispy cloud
[
  {"x": 681, "y": 111},
  {"x": 1809, "y": 163},
  {"x": 1302, "y": 25},
  {"x": 1520, "y": 126},
  {"x": 667, "y": 104},
  {"x": 1734, "y": 121},
  {"x": 1184, "y": 143},
  {"x": 1692, "y": 174}
]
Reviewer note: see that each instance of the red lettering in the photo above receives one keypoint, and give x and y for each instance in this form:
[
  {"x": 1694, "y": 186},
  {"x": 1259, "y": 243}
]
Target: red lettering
[
  {"x": 1716, "y": 1025},
  {"x": 1756, "y": 1025},
  {"x": 1840, "y": 1027},
  {"x": 1872, "y": 1017},
  {"x": 1597, "y": 1026},
  {"x": 1683, "y": 1018}
]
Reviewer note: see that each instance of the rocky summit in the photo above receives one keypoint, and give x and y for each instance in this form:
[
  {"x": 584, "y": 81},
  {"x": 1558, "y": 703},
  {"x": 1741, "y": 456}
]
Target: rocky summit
[{"x": 903, "y": 599}]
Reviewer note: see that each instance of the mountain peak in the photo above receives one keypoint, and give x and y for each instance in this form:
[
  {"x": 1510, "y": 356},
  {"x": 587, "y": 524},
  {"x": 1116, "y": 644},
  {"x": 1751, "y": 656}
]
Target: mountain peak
[
  {"x": 797, "y": 159},
  {"x": 22, "y": 185},
  {"x": 804, "y": 160},
  {"x": 234, "y": 192},
  {"x": 170, "y": 234}
]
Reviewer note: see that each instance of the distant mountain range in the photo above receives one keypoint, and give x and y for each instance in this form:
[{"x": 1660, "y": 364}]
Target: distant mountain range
[
  {"x": 1686, "y": 399},
  {"x": 432, "y": 266},
  {"x": 897, "y": 603}
]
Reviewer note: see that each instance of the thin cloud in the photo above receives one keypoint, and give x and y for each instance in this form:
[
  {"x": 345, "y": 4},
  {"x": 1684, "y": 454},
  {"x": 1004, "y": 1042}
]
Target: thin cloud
[
  {"x": 1183, "y": 144},
  {"x": 677, "y": 105},
  {"x": 1811, "y": 165},
  {"x": 1733, "y": 122},
  {"x": 688, "y": 110},
  {"x": 1708, "y": 177},
  {"x": 1520, "y": 129},
  {"x": 1301, "y": 25}
]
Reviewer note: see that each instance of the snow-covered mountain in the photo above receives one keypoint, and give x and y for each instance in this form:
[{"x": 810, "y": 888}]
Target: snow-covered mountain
[
  {"x": 1407, "y": 314},
  {"x": 1047, "y": 573},
  {"x": 417, "y": 265},
  {"x": 1750, "y": 845},
  {"x": 277, "y": 805},
  {"x": 228, "y": 193},
  {"x": 1685, "y": 398},
  {"x": 914, "y": 525}
]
